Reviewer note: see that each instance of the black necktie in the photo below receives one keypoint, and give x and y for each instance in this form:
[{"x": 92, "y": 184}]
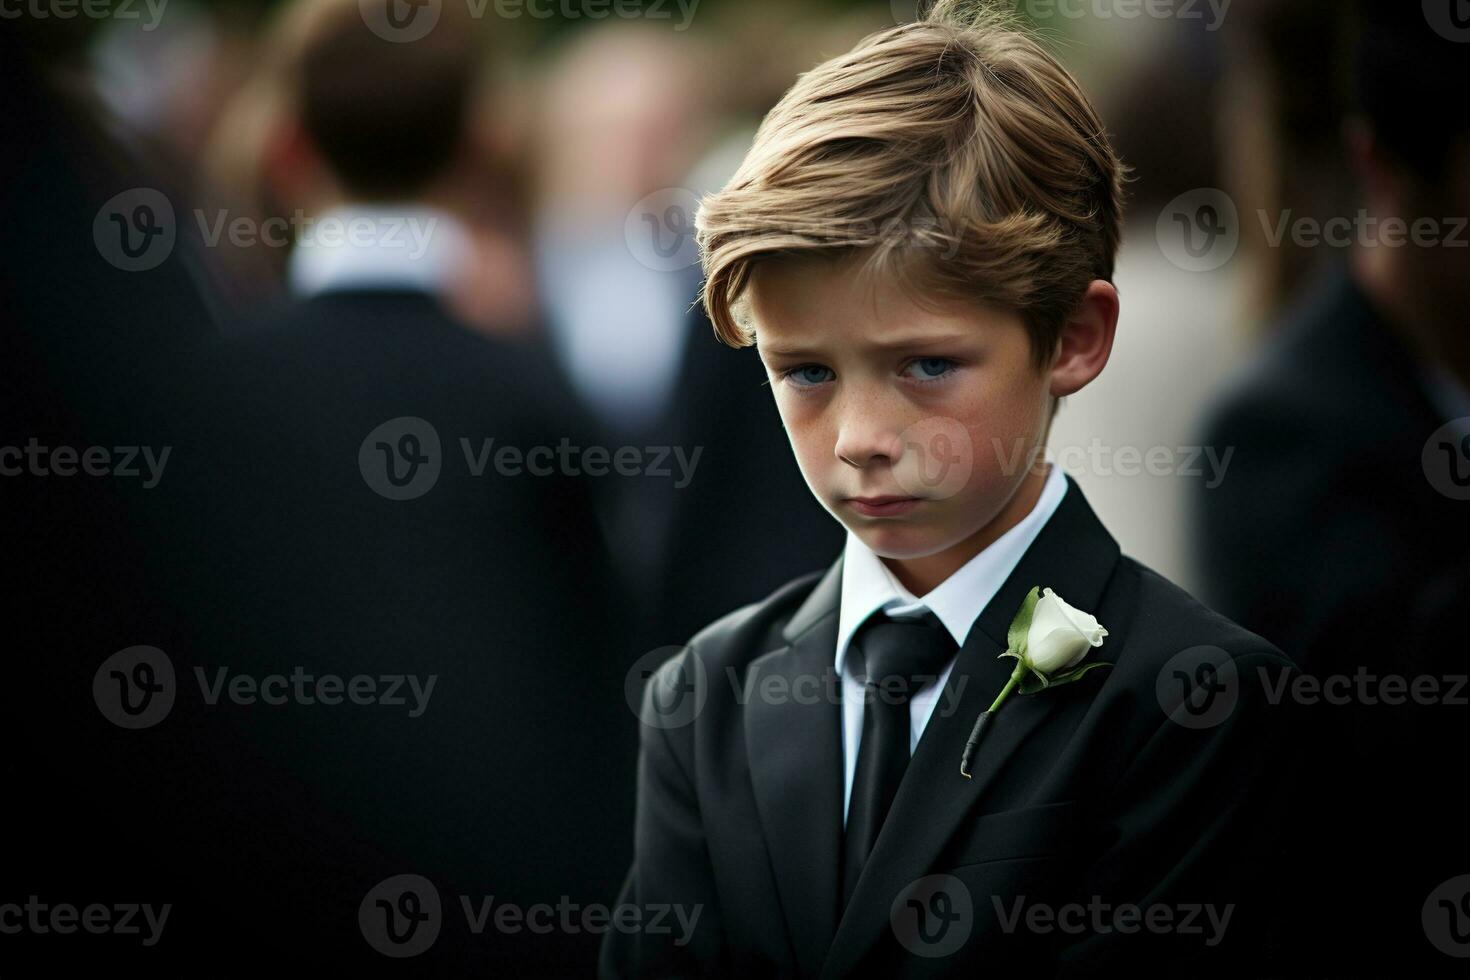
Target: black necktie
[{"x": 901, "y": 656}]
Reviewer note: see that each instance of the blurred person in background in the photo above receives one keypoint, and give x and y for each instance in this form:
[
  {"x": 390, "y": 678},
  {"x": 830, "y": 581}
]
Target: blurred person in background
[
  {"x": 104, "y": 317},
  {"x": 170, "y": 79},
  {"x": 1340, "y": 532},
  {"x": 626, "y": 117},
  {"x": 1154, "y": 79},
  {"x": 1280, "y": 100},
  {"x": 262, "y": 162},
  {"x": 357, "y": 516}
]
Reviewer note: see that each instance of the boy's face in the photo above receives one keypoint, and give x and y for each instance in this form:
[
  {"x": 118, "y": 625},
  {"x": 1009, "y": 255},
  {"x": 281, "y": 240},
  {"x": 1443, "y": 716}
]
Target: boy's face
[{"x": 914, "y": 427}]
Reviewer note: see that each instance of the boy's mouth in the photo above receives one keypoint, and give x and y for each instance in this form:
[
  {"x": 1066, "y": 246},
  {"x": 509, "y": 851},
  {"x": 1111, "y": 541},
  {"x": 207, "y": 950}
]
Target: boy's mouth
[{"x": 885, "y": 506}]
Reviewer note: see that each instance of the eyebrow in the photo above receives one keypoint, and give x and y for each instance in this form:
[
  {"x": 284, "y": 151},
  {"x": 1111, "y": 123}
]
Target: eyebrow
[
  {"x": 884, "y": 343},
  {"x": 785, "y": 351}
]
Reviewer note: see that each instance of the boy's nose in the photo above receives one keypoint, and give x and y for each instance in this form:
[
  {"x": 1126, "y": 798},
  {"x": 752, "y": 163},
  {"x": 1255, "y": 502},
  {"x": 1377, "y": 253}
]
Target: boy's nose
[{"x": 863, "y": 441}]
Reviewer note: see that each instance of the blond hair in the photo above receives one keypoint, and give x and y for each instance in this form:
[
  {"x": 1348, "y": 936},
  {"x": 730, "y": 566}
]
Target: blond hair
[{"x": 955, "y": 149}]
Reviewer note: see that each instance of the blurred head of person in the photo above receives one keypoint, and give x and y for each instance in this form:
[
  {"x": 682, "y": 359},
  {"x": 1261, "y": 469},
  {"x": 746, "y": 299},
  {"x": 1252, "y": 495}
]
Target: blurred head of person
[
  {"x": 624, "y": 114},
  {"x": 623, "y": 117},
  {"x": 1410, "y": 143},
  {"x": 370, "y": 118},
  {"x": 920, "y": 245}
]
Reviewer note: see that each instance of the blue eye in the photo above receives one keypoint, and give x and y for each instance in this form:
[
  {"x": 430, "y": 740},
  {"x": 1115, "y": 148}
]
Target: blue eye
[
  {"x": 809, "y": 374},
  {"x": 930, "y": 368}
]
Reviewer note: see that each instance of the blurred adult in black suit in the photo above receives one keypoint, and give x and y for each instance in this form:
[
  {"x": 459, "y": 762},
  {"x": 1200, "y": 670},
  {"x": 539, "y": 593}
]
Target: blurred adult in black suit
[
  {"x": 104, "y": 315},
  {"x": 627, "y": 115},
  {"x": 358, "y": 518},
  {"x": 1341, "y": 532}
]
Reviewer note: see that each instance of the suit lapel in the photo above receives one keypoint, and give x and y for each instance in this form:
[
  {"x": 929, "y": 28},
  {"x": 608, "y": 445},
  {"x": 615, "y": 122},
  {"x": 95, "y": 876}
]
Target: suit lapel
[
  {"x": 794, "y": 745},
  {"x": 1074, "y": 555}
]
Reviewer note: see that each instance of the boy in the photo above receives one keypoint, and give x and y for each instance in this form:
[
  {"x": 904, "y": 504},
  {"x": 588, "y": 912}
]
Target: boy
[{"x": 812, "y": 796}]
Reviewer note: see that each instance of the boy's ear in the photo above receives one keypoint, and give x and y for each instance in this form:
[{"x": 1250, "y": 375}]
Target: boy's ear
[{"x": 1086, "y": 340}]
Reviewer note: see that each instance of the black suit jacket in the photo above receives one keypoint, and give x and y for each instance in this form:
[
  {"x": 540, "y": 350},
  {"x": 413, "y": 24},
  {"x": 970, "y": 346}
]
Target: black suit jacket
[
  {"x": 1328, "y": 537},
  {"x": 495, "y": 584},
  {"x": 1087, "y": 793}
]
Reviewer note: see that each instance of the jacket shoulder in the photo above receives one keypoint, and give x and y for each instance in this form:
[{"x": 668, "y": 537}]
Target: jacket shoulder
[
  {"x": 753, "y": 629},
  {"x": 740, "y": 636},
  {"x": 1166, "y": 621}
]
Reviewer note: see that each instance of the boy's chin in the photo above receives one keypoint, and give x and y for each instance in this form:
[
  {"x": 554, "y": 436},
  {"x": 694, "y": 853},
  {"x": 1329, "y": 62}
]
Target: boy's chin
[{"x": 904, "y": 542}]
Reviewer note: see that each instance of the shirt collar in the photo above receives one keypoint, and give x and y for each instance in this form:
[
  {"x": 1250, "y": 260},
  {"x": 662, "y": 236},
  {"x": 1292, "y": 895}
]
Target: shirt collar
[
  {"x": 388, "y": 246},
  {"x": 868, "y": 586}
]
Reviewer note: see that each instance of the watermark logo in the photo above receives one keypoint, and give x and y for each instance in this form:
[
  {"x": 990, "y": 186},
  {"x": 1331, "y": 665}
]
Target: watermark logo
[
  {"x": 401, "y": 915},
  {"x": 933, "y": 916},
  {"x": 906, "y": 11},
  {"x": 1103, "y": 460},
  {"x": 1100, "y": 917},
  {"x": 1362, "y": 229},
  {"x": 676, "y": 694},
  {"x": 303, "y": 688},
  {"x": 592, "y": 10},
  {"x": 63, "y": 918},
  {"x": 1450, "y": 19},
  {"x": 1210, "y": 12},
  {"x": 1363, "y": 687},
  {"x": 135, "y": 688},
  {"x": 401, "y": 458},
  {"x": 1199, "y": 230},
  {"x": 1446, "y": 459},
  {"x": 1198, "y": 687},
  {"x": 660, "y": 230},
  {"x": 118, "y": 10},
  {"x": 135, "y": 230},
  {"x": 1446, "y": 917},
  {"x": 35, "y": 459},
  {"x": 410, "y": 236},
  {"x": 936, "y": 458},
  {"x": 400, "y": 21},
  {"x": 571, "y": 918}
]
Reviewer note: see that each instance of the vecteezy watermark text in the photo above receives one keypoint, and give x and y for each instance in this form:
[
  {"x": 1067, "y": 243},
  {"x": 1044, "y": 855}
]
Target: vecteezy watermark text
[
  {"x": 402, "y": 459},
  {"x": 63, "y": 918},
  {"x": 1100, "y": 459},
  {"x": 402, "y": 916},
  {"x": 301, "y": 687},
  {"x": 406, "y": 232},
  {"x": 35, "y": 459},
  {"x": 1210, "y": 12},
  {"x": 405, "y": 21},
  {"x": 136, "y": 688},
  {"x": 668, "y": 689},
  {"x": 88, "y": 9},
  {"x": 1364, "y": 687},
  {"x": 1100, "y": 918},
  {"x": 573, "y": 460}
]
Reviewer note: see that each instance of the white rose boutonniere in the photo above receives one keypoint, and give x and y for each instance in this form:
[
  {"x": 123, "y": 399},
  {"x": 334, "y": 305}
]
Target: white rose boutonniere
[{"x": 1049, "y": 639}]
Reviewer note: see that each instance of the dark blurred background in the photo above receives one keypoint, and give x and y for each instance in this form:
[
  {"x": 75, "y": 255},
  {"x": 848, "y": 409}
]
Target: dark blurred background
[{"x": 334, "y": 258}]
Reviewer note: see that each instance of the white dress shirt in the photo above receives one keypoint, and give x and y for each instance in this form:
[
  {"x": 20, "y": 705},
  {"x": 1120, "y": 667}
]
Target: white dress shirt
[
  {"x": 618, "y": 327},
  {"x": 355, "y": 246},
  {"x": 869, "y": 587}
]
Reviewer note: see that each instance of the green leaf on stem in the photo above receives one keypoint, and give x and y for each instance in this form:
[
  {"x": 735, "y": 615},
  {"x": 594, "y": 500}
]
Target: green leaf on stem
[
  {"x": 1075, "y": 673},
  {"x": 1021, "y": 625}
]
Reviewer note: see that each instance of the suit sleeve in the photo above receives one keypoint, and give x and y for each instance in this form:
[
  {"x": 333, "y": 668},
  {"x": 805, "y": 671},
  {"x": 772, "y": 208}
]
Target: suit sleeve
[
  {"x": 1191, "y": 835},
  {"x": 671, "y": 864}
]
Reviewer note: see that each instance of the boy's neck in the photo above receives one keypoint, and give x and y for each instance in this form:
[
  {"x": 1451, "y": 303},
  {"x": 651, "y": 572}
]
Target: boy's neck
[{"x": 922, "y": 575}]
